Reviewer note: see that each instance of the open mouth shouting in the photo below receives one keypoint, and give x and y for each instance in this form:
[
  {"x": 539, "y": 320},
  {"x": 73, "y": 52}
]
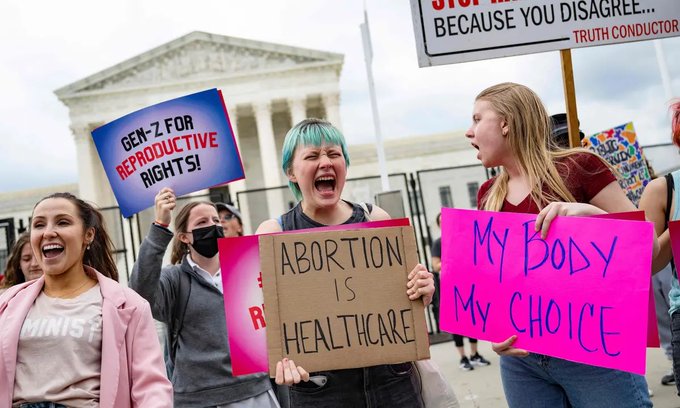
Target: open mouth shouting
[
  {"x": 52, "y": 250},
  {"x": 325, "y": 185}
]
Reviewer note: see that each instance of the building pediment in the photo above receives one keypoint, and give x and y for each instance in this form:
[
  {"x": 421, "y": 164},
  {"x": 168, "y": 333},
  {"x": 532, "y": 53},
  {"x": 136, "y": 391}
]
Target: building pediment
[{"x": 197, "y": 56}]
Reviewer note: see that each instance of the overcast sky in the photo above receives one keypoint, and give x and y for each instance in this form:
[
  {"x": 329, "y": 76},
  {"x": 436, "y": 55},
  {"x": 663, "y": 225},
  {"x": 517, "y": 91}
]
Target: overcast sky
[{"x": 49, "y": 44}]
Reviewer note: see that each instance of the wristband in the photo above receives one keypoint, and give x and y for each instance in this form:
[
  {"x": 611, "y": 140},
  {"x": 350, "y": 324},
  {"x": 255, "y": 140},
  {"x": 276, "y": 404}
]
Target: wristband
[{"x": 160, "y": 224}]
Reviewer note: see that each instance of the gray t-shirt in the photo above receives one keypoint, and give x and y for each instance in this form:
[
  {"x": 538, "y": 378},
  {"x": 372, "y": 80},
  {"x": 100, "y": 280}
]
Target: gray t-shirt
[{"x": 60, "y": 351}]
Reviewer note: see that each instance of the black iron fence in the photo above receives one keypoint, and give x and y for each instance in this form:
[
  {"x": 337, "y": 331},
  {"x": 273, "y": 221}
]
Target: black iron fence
[{"x": 7, "y": 239}]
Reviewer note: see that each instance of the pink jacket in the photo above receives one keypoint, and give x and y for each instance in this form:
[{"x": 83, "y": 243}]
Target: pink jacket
[{"x": 133, "y": 372}]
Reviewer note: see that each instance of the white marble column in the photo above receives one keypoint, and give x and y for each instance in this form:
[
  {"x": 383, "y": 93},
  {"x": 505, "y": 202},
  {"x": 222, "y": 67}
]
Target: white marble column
[
  {"x": 298, "y": 109},
  {"x": 331, "y": 103},
  {"x": 233, "y": 118},
  {"x": 240, "y": 185},
  {"x": 269, "y": 157},
  {"x": 86, "y": 170}
]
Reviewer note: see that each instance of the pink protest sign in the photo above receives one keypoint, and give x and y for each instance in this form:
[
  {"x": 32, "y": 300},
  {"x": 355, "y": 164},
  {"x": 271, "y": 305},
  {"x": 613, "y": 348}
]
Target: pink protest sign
[
  {"x": 582, "y": 294},
  {"x": 653, "y": 339},
  {"x": 244, "y": 301}
]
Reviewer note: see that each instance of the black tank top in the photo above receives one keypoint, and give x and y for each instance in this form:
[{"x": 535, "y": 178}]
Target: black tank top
[{"x": 295, "y": 219}]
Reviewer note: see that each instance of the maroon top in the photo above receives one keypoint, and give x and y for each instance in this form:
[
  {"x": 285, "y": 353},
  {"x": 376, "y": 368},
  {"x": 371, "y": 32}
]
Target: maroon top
[{"x": 584, "y": 175}]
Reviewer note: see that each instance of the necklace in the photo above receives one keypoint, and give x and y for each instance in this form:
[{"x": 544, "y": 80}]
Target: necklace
[{"x": 66, "y": 294}]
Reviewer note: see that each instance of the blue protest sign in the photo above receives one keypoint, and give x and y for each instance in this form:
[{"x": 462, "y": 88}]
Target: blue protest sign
[{"x": 185, "y": 143}]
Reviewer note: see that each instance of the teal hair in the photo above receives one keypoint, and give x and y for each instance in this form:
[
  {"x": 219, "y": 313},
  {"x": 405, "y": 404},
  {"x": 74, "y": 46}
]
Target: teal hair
[{"x": 310, "y": 132}]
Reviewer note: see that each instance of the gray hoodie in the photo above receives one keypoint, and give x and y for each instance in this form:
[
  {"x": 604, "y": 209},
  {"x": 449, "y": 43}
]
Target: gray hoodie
[{"x": 202, "y": 375}]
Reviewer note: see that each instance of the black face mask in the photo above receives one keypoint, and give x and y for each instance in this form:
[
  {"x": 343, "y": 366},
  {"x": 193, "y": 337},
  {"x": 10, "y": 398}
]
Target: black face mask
[{"x": 205, "y": 240}]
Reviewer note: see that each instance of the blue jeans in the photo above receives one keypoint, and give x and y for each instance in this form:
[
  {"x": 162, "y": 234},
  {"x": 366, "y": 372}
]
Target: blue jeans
[
  {"x": 675, "y": 343},
  {"x": 539, "y": 381},
  {"x": 396, "y": 385}
]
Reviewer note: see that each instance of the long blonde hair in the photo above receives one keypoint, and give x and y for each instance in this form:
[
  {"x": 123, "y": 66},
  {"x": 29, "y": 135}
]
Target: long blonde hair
[{"x": 530, "y": 143}]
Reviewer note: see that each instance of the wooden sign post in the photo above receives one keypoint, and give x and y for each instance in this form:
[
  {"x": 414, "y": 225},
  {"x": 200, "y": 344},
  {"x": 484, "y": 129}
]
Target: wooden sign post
[{"x": 570, "y": 98}]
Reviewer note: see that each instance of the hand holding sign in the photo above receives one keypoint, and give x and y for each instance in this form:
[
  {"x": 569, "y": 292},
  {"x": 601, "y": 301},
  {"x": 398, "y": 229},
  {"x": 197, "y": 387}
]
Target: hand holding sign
[
  {"x": 506, "y": 349},
  {"x": 288, "y": 373},
  {"x": 165, "y": 202},
  {"x": 421, "y": 283},
  {"x": 552, "y": 210}
]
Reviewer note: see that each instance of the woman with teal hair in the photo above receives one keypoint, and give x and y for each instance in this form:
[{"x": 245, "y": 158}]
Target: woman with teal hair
[{"x": 315, "y": 160}]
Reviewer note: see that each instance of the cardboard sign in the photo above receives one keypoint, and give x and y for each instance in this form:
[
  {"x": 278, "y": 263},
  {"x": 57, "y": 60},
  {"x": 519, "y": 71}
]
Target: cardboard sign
[
  {"x": 620, "y": 148},
  {"x": 185, "y": 143},
  {"x": 453, "y": 31},
  {"x": 582, "y": 294},
  {"x": 338, "y": 299},
  {"x": 244, "y": 301}
]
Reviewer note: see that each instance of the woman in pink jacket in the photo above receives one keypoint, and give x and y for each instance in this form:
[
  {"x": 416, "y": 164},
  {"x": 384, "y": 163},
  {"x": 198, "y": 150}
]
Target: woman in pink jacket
[{"x": 76, "y": 337}]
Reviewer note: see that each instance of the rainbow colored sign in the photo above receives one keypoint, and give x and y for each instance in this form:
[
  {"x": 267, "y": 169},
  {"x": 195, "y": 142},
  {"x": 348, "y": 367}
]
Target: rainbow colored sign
[
  {"x": 582, "y": 294},
  {"x": 620, "y": 148},
  {"x": 244, "y": 301}
]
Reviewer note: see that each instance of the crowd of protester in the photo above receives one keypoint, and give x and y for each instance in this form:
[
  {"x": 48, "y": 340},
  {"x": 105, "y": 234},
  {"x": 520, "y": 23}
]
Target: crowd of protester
[{"x": 72, "y": 336}]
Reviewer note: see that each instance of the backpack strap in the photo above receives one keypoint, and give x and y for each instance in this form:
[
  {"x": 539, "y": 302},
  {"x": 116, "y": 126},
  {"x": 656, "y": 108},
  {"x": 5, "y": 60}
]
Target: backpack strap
[
  {"x": 670, "y": 188},
  {"x": 669, "y": 196},
  {"x": 181, "y": 301}
]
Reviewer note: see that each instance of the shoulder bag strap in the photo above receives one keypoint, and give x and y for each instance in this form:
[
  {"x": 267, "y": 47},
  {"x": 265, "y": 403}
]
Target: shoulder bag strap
[
  {"x": 670, "y": 188},
  {"x": 180, "y": 310}
]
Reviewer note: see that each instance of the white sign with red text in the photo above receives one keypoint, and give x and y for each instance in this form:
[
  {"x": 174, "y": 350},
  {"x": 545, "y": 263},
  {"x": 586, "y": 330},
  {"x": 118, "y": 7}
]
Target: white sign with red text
[{"x": 453, "y": 31}]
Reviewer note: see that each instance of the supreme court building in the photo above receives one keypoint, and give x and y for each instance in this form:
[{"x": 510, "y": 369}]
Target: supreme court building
[{"x": 267, "y": 88}]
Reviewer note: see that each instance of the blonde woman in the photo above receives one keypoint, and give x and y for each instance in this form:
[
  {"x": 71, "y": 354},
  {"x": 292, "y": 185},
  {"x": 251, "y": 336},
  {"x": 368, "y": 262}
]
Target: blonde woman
[{"x": 511, "y": 129}]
